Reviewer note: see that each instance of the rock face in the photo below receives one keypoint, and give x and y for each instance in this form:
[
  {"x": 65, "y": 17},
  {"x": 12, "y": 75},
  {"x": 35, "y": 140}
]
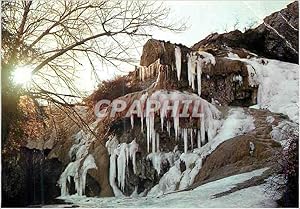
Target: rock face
[
  {"x": 225, "y": 162},
  {"x": 32, "y": 180},
  {"x": 217, "y": 81},
  {"x": 276, "y": 38}
]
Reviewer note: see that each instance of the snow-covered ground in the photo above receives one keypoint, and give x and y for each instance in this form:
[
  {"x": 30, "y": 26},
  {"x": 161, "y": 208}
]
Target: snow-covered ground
[{"x": 202, "y": 196}]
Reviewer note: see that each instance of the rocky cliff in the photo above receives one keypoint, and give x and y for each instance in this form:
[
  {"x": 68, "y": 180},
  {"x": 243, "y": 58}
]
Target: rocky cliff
[{"x": 275, "y": 38}]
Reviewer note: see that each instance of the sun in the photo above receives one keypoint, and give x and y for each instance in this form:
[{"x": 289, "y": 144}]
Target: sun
[{"x": 22, "y": 75}]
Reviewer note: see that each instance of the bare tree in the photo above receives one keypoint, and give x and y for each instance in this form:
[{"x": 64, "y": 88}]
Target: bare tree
[{"x": 56, "y": 38}]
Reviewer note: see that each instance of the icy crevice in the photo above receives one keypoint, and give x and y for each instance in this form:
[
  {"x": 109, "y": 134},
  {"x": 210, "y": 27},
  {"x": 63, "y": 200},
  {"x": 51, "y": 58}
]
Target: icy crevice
[
  {"x": 78, "y": 171},
  {"x": 82, "y": 162}
]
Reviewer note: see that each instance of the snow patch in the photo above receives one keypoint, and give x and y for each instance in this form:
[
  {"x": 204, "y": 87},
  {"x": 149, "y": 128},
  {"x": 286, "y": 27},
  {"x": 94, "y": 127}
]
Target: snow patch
[
  {"x": 202, "y": 196},
  {"x": 278, "y": 85},
  {"x": 282, "y": 132}
]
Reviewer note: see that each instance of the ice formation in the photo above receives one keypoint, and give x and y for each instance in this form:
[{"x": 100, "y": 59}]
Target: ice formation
[
  {"x": 237, "y": 122},
  {"x": 208, "y": 119},
  {"x": 159, "y": 158},
  {"x": 238, "y": 78},
  {"x": 120, "y": 154},
  {"x": 178, "y": 61},
  {"x": 196, "y": 61},
  {"x": 78, "y": 173},
  {"x": 278, "y": 85},
  {"x": 79, "y": 167},
  {"x": 150, "y": 71},
  {"x": 169, "y": 181}
]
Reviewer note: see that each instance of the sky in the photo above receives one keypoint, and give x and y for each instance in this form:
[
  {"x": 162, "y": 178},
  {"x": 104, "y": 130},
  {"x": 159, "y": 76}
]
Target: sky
[{"x": 206, "y": 17}]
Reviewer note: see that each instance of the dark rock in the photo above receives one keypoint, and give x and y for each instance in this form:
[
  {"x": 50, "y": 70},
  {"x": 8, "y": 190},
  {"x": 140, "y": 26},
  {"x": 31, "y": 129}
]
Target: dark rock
[
  {"x": 93, "y": 188},
  {"x": 276, "y": 38},
  {"x": 155, "y": 49},
  {"x": 217, "y": 80},
  {"x": 32, "y": 179},
  {"x": 182, "y": 166}
]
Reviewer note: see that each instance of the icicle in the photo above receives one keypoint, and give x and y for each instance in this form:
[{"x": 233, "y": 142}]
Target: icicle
[
  {"x": 176, "y": 125},
  {"x": 156, "y": 160},
  {"x": 122, "y": 153},
  {"x": 89, "y": 163},
  {"x": 202, "y": 129},
  {"x": 142, "y": 100},
  {"x": 199, "y": 139},
  {"x": 152, "y": 138},
  {"x": 112, "y": 175},
  {"x": 142, "y": 123},
  {"x": 191, "y": 69},
  {"x": 121, "y": 164},
  {"x": 148, "y": 132},
  {"x": 111, "y": 144},
  {"x": 70, "y": 171},
  {"x": 178, "y": 61},
  {"x": 185, "y": 136},
  {"x": 133, "y": 148},
  {"x": 132, "y": 120},
  {"x": 169, "y": 127},
  {"x": 199, "y": 73},
  {"x": 157, "y": 142},
  {"x": 150, "y": 116},
  {"x": 77, "y": 184},
  {"x": 162, "y": 119},
  {"x": 192, "y": 139},
  {"x": 153, "y": 143}
]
